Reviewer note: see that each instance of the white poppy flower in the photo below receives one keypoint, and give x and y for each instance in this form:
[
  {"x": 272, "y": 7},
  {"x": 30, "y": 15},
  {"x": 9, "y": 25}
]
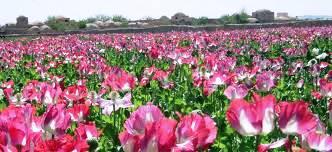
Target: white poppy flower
[{"x": 322, "y": 56}]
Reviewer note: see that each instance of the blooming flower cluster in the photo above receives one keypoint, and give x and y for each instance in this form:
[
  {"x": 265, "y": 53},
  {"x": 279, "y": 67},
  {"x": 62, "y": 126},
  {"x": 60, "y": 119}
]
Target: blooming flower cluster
[
  {"x": 23, "y": 130},
  {"x": 95, "y": 92},
  {"x": 147, "y": 129},
  {"x": 294, "y": 118}
]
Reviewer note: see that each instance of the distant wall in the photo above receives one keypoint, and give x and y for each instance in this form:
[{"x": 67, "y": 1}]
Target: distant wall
[
  {"x": 169, "y": 28},
  {"x": 282, "y": 24}
]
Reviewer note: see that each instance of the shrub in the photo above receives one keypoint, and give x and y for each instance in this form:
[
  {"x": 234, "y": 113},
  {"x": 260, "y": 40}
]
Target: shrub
[
  {"x": 124, "y": 24},
  {"x": 82, "y": 24},
  {"x": 119, "y": 18},
  {"x": 91, "y": 20},
  {"x": 236, "y": 18},
  {"x": 103, "y": 18},
  {"x": 201, "y": 21},
  {"x": 62, "y": 26}
]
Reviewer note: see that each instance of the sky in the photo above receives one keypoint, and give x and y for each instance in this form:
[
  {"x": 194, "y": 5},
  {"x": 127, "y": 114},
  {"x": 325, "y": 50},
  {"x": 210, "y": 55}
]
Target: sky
[{"x": 39, "y": 10}]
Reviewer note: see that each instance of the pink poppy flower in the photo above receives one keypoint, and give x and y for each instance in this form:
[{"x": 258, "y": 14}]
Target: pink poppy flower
[
  {"x": 316, "y": 95},
  {"x": 329, "y": 75},
  {"x": 326, "y": 90},
  {"x": 109, "y": 106},
  {"x": 236, "y": 91},
  {"x": 4, "y": 146},
  {"x": 162, "y": 77},
  {"x": 243, "y": 72},
  {"x": 252, "y": 118},
  {"x": 155, "y": 53},
  {"x": 68, "y": 143},
  {"x": 50, "y": 94},
  {"x": 87, "y": 131},
  {"x": 16, "y": 127},
  {"x": 75, "y": 93},
  {"x": 318, "y": 141},
  {"x": 56, "y": 120},
  {"x": 296, "y": 118},
  {"x": 295, "y": 67},
  {"x": 8, "y": 91},
  {"x": 13, "y": 99},
  {"x": 119, "y": 80},
  {"x": 129, "y": 142},
  {"x": 61, "y": 143},
  {"x": 264, "y": 64},
  {"x": 220, "y": 78},
  {"x": 13, "y": 133},
  {"x": 136, "y": 127},
  {"x": 300, "y": 83},
  {"x": 200, "y": 76},
  {"x": 330, "y": 111},
  {"x": 159, "y": 136},
  {"x": 144, "y": 115},
  {"x": 147, "y": 73},
  {"x": 78, "y": 112},
  {"x": 157, "y": 133},
  {"x": 165, "y": 130},
  {"x": 323, "y": 65},
  {"x": 9, "y": 84},
  {"x": 195, "y": 132},
  {"x": 277, "y": 63},
  {"x": 210, "y": 61},
  {"x": 265, "y": 81},
  {"x": 210, "y": 85},
  {"x": 144, "y": 81},
  {"x": 277, "y": 144},
  {"x": 32, "y": 91}
]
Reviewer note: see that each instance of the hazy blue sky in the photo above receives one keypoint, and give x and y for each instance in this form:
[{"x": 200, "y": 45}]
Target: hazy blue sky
[{"x": 39, "y": 10}]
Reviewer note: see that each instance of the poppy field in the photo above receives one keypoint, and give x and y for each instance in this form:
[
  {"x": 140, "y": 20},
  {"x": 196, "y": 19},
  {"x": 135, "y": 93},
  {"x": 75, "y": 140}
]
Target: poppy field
[{"x": 241, "y": 90}]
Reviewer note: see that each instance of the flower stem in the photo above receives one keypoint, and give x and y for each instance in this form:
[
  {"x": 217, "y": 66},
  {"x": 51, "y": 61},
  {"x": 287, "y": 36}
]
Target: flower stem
[
  {"x": 114, "y": 120},
  {"x": 258, "y": 140}
]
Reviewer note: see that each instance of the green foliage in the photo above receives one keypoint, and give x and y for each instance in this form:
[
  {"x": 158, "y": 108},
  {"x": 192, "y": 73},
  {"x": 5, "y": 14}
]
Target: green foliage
[
  {"x": 68, "y": 70},
  {"x": 63, "y": 26},
  {"x": 103, "y": 18},
  {"x": 119, "y": 18},
  {"x": 91, "y": 20},
  {"x": 93, "y": 83},
  {"x": 124, "y": 24},
  {"x": 324, "y": 44},
  {"x": 184, "y": 43},
  {"x": 125, "y": 59},
  {"x": 100, "y": 17},
  {"x": 225, "y": 19},
  {"x": 236, "y": 18},
  {"x": 201, "y": 21},
  {"x": 20, "y": 74},
  {"x": 82, "y": 24},
  {"x": 183, "y": 97}
]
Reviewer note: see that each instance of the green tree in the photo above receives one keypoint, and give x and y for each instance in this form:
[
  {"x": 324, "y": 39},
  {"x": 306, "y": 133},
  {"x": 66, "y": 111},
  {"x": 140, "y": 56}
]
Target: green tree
[
  {"x": 236, "y": 18},
  {"x": 103, "y": 18},
  {"x": 119, "y": 18},
  {"x": 201, "y": 21},
  {"x": 53, "y": 23}
]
